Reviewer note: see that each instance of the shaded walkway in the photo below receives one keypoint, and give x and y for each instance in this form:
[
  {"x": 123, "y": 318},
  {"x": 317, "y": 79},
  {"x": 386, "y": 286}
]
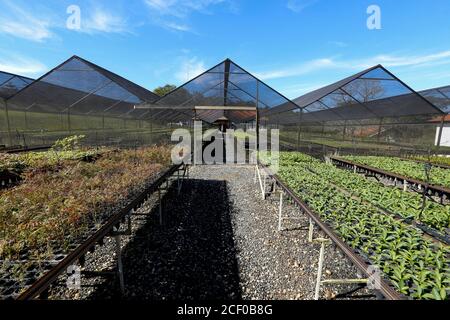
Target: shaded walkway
[{"x": 191, "y": 257}]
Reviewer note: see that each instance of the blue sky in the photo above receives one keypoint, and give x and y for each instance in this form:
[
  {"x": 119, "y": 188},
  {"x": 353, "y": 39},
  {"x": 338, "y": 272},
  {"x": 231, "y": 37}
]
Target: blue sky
[{"x": 293, "y": 45}]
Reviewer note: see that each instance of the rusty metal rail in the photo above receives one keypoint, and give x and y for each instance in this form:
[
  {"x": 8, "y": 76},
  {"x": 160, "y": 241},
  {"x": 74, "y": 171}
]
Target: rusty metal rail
[
  {"x": 26, "y": 149},
  {"x": 386, "y": 289},
  {"x": 435, "y": 189},
  {"x": 433, "y": 164},
  {"x": 43, "y": 283}
]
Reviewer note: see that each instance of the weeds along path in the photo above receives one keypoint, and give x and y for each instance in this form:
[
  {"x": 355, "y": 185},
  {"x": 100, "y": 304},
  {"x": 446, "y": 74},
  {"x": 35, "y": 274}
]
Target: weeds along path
[{"x": 219, "y": 241}]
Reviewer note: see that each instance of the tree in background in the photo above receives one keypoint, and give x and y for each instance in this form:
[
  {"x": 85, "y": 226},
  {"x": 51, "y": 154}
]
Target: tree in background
[{"x": 162, "y": 91}]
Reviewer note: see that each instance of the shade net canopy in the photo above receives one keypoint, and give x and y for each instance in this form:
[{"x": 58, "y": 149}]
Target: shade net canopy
[
  {"x": 374, "y": 93},
  {"x": 10, "y": 84},
  {"x": 226, "y": 85},
  {"x": 440, "y": 97},
  {"x": 80, "y": 87},
  {"x": 372, "y": 112},
  {"x": 78, "y": 97}
]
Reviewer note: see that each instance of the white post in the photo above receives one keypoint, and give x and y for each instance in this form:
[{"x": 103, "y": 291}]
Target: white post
[
  {"x": 405, "y": 185},
  {"x": 119, "y": 264},
  {"x": 160, "y": 207},
  {"x": 319, "y": 271},
  {"x": 178, "y": 182},
  {"x": 280, "y": 211},
  {"x": 264, "y": 188},
  {"x": 310, "y": 231}
]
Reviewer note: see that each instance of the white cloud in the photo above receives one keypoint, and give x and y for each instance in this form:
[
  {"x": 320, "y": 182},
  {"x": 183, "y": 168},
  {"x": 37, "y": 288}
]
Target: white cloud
[
  {"x": 21, "y": 65},
  {"x": 164, "y": 7},
  {"x": 297, "y": 90},
  {"x": 412, "y": 60},
  {"x": 339, "y": 44},
  {"x": 180, "y": 10},
  {"x": 297, "y": 70},
  {"x": 20, "y": 23},
  {"x": 387, "y": 60},
  {"x": 298, "y": 6},
  {"x": 190, "y": 68},
  {"x": 102, "y": 21},
  {"x": 178, "y": 27}
]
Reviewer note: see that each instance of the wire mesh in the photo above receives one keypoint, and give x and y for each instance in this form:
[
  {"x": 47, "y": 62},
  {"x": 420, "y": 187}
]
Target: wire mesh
[
  {"x": 10, "y": 84},
  {"x": 227, "y": 85},
  {"x": 77, "y": 97},
  {"x": 370, "y": 112}
]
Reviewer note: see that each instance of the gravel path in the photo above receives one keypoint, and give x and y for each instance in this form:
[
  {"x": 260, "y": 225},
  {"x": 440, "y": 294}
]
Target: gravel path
[{"x": 219, "y": 240}]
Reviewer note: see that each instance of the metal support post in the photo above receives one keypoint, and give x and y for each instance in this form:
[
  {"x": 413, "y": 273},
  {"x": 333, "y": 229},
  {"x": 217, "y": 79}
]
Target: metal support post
[
  {"x": 160, "y": 208},
  {"x": 257, "y": 116},
  {"x": 264, "y": 187},
  {"x": 441, "y": 129},
  {"x": 310, "y": 230},
  {"x": 119, "y": 263},
  {"x": 319, "y": 271},
  {"x": 280, "y": 212},
  {"x": 178, "y": 182},
  {"x": 8, "y": 124}
]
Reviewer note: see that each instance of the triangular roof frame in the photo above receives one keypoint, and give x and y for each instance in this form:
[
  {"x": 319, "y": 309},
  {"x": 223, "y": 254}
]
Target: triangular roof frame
[
  {"x": 217, "y": 65},
  {"x": 226, "y": 82},
  {"x": 11, "y": 77},
  {"x": 445, "y": 95},
  {"x": 119, "y": 80},
  {"x": 14, "y": 75},
  {"x": 342, "y": 83},
  {"x": 315, "y": 96},
  {"x": 437, "y": 89}
]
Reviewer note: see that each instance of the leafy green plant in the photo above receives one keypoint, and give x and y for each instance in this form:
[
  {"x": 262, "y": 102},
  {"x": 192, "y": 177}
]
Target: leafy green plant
[
  {"x": 416, "y": 266},
  {"x": 53, "y": 205},
  {"x": 69, "y": 143},
  {"x": 407, "y": 168}
]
